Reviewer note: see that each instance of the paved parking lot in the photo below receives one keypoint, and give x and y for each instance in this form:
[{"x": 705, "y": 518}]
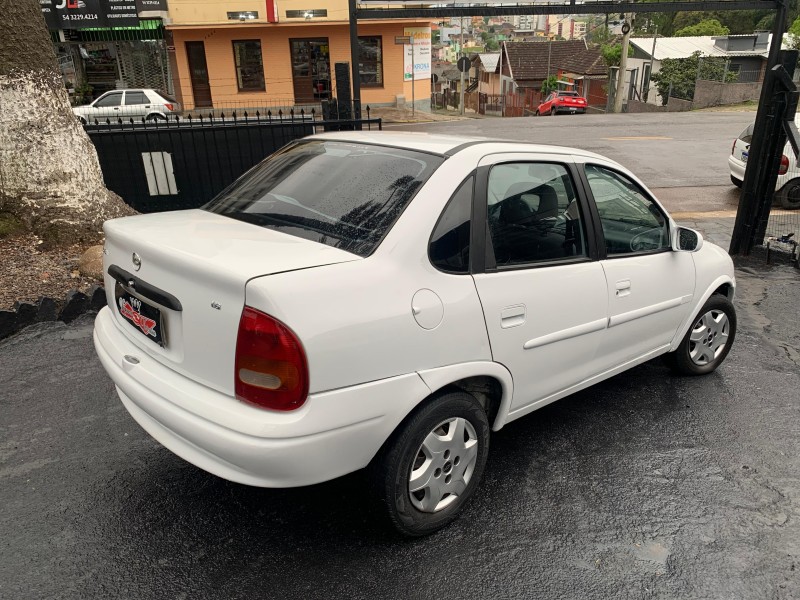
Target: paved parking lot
[{"x": 646, "y": 486}]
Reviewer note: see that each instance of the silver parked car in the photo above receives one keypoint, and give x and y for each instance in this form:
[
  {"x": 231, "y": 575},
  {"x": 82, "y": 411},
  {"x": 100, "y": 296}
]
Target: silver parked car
[{"x": 138, "y": 104}]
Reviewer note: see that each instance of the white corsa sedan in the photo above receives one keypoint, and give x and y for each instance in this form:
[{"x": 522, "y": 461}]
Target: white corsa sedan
[{"x": 387, "y": 300}]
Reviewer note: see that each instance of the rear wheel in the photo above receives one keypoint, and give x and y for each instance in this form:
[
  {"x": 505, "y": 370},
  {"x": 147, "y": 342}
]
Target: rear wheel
[
  {"x": 432, "y": 464},
  {"x": 553, "y": 112},
  {"x": 735, "y": 181},
  {"x": 536, "y": 114},
  {"x": 156, "y": 117},
  {"x": 708, "y": 341},
  {"x": 789, "y": 195}
]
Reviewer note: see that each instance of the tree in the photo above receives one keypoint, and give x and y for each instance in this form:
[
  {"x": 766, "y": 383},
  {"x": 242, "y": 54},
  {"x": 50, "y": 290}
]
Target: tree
[
  {"x": 678, "y": 76},
  {"x": 549, "y": 84},
  {"x": 50, "y": 177},
  {"x": 707, "y": 27},
  {"x": 794, "y": 34},
  {"x": 612, "y": 54}
]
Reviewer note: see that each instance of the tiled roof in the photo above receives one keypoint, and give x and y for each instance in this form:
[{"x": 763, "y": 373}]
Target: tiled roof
[{"x": 529, "y": 60}]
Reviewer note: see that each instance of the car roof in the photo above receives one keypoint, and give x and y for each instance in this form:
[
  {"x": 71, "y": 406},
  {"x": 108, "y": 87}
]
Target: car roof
[{"x": 446, "y": 145}]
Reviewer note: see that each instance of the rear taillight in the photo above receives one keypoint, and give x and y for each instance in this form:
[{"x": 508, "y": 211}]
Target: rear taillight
[
  {"x": 733, "y": 148},
  {"x": 271, "y": 366},
  {"x": 784, "y": 165},
  {"x": 169, "y": 106}
]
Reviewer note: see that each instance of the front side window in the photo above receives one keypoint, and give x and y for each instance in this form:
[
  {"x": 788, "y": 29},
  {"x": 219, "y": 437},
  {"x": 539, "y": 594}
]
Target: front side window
[
  {"x": 111, "y": 100},
  {"x": 534, "y": 214},
  {"x": 449, "y": 248},
  {"x": 249, "y": 65},
  {"x": 342, "y": 194},
  {"x": 631, "y": 221},
  {"x": 371, "y": 61}
]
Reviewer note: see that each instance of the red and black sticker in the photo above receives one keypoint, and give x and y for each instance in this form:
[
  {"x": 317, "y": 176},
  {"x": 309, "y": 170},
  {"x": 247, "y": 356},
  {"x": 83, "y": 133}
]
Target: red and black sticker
[{"x": 145, "y": 318}]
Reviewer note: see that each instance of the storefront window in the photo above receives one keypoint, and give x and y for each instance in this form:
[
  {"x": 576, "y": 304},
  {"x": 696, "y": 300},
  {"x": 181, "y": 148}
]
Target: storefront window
[
  {"x": 249, "y": 65},
  {"x": 371, "y": 61}
]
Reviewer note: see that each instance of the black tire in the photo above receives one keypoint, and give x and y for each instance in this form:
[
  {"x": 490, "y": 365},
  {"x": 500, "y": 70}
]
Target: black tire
[
  {"x": 82, "y": 120},
  {"x": 789, "y": 195},
  {"x": 553, "y": 112},
  {"x": 736, "y": 182},
  {"x": 390, "y": 471},
  {"x": 681, "y": 360},
  {"x": 536, "y": 114},
  {"x": 154, "y": 117}
]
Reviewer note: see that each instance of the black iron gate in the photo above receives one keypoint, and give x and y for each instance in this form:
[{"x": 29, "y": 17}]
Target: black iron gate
[{"x": 183, "y": 163}]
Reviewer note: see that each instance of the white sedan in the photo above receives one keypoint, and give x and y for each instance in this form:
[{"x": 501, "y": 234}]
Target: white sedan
[
  {"x": 787, "y": 187},
  {"x": 386, "y": 300}
]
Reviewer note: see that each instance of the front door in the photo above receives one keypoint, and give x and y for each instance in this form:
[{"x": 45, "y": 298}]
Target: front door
[
  {"x": 198, "y": 71},
  {"x": 650, "y": 287},
  {"x": 543, "y": 290},
  {"x": 311, "y": 70}
]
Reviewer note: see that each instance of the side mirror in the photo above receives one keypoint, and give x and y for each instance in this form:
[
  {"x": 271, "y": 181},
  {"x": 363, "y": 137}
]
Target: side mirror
[{"x": 686, "y": 240}]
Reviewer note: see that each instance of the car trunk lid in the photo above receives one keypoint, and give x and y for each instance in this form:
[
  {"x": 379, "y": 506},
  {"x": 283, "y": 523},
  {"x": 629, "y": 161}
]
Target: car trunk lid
[{"x": 175, "y": 283}]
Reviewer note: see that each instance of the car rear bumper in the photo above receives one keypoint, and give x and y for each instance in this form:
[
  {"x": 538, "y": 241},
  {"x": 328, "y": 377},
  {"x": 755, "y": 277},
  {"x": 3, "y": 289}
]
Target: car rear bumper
[
  {"x": 737, "y": 167},
  {"x": 569, "y": 110},
  {"x": 332, "y": 434}
]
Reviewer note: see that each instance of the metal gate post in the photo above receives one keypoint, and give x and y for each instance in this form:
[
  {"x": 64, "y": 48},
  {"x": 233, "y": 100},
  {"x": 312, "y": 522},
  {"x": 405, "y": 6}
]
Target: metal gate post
[{"x": 763, "y": 148}]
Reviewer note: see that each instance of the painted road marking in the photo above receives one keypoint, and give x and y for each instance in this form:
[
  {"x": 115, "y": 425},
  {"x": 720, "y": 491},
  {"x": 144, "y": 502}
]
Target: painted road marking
[{"x": 638, "y": 137}]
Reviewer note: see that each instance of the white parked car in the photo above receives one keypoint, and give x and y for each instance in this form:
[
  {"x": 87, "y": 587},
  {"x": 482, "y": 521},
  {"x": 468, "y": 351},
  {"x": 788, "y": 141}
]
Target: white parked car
[
  {"x": 787, "y": 188},
  {"x": 126, "y": 104},
  {"x": 385, "y": 300}
]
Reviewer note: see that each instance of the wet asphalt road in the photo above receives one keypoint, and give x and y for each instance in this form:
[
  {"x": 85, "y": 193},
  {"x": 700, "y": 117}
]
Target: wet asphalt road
[{"x": 646, "y": 486}]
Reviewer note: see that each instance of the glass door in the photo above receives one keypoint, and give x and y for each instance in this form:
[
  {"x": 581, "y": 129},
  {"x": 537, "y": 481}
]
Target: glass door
[{"x": 311, "y": 69}]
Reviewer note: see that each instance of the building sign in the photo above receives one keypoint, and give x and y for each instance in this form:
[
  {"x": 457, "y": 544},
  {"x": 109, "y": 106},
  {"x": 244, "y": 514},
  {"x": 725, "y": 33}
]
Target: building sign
[
  {"x": 420, "y": 63},
  {"x": 84, "y": 14},
  {"x": 157, "y": 5}
]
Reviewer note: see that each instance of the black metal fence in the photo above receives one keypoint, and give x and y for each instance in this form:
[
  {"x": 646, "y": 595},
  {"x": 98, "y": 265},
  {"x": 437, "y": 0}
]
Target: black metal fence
[{"x": 182, "y": 163}]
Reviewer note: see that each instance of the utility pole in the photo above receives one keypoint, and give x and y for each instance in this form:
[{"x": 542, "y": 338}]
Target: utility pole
[
  {"x": 461, "y": 93},
  {"x": 413, "y": 77},
  {"x": 623, "y": 66}
]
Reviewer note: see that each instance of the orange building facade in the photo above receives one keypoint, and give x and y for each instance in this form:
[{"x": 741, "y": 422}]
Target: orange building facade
[{"x": 251, "y": 54}]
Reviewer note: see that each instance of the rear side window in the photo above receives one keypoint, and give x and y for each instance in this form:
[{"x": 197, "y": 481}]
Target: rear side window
[
  {"x": 449, "y": 249},
  {"x": 747, "y": 135},
  {"x": 135, "y": 98},
  {"x": 343, "y": 194}
]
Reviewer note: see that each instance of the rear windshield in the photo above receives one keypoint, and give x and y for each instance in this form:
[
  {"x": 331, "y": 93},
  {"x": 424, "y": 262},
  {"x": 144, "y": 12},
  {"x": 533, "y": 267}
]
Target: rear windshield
[
  {"x": 342, "y": 194},
  {"x": 567, "y": 93}
]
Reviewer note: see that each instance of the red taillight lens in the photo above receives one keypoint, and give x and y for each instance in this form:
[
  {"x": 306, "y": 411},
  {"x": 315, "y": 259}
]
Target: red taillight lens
[
  {"x": 784, "y": 165},
  {"x": 169, "y": 106},
  {"x": 271, "y": 366}
]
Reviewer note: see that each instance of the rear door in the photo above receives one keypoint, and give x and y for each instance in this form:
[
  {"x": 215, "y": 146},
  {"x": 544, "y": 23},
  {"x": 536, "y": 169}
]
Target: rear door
[
  {"x": 543, "y": 291},
  {"x": 650, "y": 287},
  {"x": 137, "y": 104}
]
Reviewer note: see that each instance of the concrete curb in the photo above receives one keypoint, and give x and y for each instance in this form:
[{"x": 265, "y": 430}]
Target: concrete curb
[{"x": 50, "y": 309}]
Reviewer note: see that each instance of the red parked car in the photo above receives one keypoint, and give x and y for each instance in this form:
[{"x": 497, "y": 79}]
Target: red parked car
[{"x": 562, "y": 102}]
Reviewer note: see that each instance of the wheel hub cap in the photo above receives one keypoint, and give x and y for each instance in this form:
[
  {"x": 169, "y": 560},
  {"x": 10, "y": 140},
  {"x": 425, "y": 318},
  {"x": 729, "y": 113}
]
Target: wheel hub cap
[
  {"x": 709, "y": 337},
  {"x": 443, "y": 465}
]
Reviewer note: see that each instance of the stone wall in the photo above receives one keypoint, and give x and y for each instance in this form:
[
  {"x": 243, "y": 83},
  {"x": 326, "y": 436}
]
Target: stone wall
[
  {"x": 716, "y": 93},
  {"x": 674, "y": 105}
]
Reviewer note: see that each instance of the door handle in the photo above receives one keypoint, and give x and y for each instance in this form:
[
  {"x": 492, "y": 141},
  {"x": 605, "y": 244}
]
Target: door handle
[
  {"x": 512, "y": 316},
  {"x": 623, "y": 287}
]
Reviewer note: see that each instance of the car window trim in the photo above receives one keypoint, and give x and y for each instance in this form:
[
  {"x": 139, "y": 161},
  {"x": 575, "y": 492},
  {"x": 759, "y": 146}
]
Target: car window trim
[
  {"x": 471, "y": 224},
  {"x": 110, "y": 94},
  {"x": 599, "y": 227},
  {"x": 480, "y": 201}
]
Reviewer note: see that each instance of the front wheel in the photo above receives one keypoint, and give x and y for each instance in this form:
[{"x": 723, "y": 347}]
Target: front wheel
[
  {"x": 552, "y": 112},
  {"x": 789, "y": 195},
  {"x": 432, "y": 464},
  {"x": 536, "y": 114},
  {"x": 708, "y": 341}
]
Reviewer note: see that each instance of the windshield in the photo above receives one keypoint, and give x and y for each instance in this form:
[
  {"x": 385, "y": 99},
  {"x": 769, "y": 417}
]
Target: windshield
[{"x": 342, "y": 194}]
